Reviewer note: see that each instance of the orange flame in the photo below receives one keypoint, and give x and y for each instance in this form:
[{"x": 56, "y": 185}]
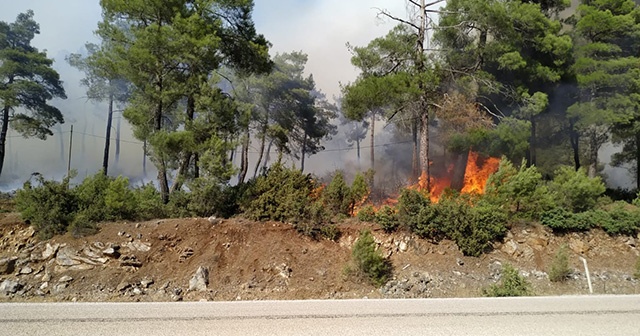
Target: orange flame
[{"x": 476, "y": 175}]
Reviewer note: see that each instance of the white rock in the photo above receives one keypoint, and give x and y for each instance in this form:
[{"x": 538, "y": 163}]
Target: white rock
[
  {"x": 200, "y": 280},
  {"x": 65, "y": 278}
]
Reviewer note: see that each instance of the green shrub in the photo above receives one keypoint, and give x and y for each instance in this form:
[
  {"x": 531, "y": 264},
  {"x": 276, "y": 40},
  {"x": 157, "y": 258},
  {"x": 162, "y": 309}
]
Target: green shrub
[
  {"x": 560, "y": 265},
  {"x": 178, "y": 206},
  {"x": 511, "y": 284},
  {"x": 281, "y": 194},
  {"x": 519, "y": 191},
  {"x": 337, "y": 196},
  {"x": 204, "y": 198},
  {"x": 576, "y": 190},
  {"x": 387, "y": 219},
  {"x": 149, "y": 201},
  {"x": 82, "y": 226},
  {"x": 330, "y": 231},
  {"x": 120, "y": 202},
  {"x": 91, "y": 197},
  {"x": 359, "y": 189},
  {"x": 410, "y": 203},
  {"x": 49, "y": 206},
  {"x": 472, "y": 227},
  {"x": 561, "y": 220},
  {"x": 625, "y": 219},
  {"x": 367, "y": 213},
  {"x": 369, "y": 261}
]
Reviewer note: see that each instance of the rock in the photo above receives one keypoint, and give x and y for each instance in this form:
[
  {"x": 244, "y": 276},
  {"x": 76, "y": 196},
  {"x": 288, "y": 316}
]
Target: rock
[
  {"x": 495, "y": 269},
  {"x": 130, "y": 261},
  {"x": 7, "y": 265},
  {"x": 402, "y": 246},
  {"x": 631, "y": 242},
  {"x": 123, "y": 286},
  {"x": 111, "y": 252},
  {"x": 46, "y": 277},
  {"x": 200, "y": 280},
  {"x": 214, "y": 220},
  {"x": 26, "y": 270},
  {"x": 139, "y": 246},
  {"x": 509, "y": 247},
  {"x": 10, "y": 287},
  {"x": 44, "y": 285},
  {"x": 284, "y": 271},
  {"x": 81, "y": 267},
  {"x": 578, "y": 246},
  {"x": 64, "y": 257},
  {"x": 459, "y": 261},
  {"x": 49, "y": 251},
  {"x": 137, "y": 291},
  {"x": 145, "y": 283},
  {"x": 59, "y": 288},
  {"x": 90, "y": 253},
  {"x": 65, "y": 278},
  {"x": 186, "y": 253}
]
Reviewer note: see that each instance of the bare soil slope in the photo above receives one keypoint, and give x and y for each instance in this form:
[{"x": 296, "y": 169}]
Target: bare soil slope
[{"x": 155, "y": 261}]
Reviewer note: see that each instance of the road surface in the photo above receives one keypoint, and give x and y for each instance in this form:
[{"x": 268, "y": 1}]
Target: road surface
[{"x": 570, "y": 315}]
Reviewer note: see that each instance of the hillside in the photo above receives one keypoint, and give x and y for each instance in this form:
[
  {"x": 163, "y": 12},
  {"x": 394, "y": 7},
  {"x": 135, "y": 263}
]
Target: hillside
[{"x": 155, "y": 261}]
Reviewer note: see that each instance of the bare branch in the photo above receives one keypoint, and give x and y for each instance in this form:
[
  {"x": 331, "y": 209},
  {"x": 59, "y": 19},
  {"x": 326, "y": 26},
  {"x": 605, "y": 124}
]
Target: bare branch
[{"x": 395, "y": 18}]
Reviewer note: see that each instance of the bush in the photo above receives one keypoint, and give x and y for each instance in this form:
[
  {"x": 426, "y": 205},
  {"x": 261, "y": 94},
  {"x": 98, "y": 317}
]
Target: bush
[
  {"x": 49, "y": 206},
  {"x": 178, "y": 206},
  {"x": 330, "y": 232},
  {"x": 473, "y": 228},
  {"x": 337, "y": 196},
  {"x": 82, "y": 226},
  {"x": 149, "y": 201},
  {"x": 410, "y": 203},
  {"x": 120, "y": 202},
  {"x": 519, "y": 191},
  {"x": 561, "y": 220},
  {"x": 91, "y": 197},
  {"x": 367, "y": 213},
  {"x": 575, "y": 189},
  {"x": 369, "y": 261},
  {"x": 560, "y": 265},
  {"x": 204, "y": 198},
  {"x": 511, "y": 284},
  {"x": 387, "y": 219},
  {"x": 281, "y": 194},
  {"x": 625, "y": 219}
]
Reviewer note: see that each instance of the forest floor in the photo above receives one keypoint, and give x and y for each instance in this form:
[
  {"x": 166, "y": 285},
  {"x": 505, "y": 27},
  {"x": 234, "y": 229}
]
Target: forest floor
[{"x": 156, "y": 261}]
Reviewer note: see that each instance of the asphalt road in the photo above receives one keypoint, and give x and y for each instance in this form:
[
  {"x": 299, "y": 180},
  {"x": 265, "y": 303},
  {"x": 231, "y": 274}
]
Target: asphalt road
[{"x": 570, "y": 315}]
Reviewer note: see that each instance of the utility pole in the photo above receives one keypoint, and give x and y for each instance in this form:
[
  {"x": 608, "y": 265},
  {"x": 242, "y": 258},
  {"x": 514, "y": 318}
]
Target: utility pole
[{"x": 70, "y": 146}]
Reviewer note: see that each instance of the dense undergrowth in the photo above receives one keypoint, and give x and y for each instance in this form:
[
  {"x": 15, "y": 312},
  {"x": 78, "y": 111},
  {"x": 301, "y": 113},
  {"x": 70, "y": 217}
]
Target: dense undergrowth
[{"x": 570, "y": 202}]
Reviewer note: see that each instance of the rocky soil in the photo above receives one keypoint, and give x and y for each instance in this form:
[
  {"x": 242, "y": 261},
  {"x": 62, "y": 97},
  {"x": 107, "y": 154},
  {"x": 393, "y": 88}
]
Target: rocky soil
[{"x": 211, "y": 259}]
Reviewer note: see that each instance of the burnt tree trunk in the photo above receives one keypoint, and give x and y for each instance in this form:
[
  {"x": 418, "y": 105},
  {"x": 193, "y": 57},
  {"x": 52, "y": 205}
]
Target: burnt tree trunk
[
  {"x": 459, "y": 168},
  {"x": 415, "y": 164},
  {"x": 107, "y": 140},
  {"x": 117, "y": 154},
  {"x": 574, "y": 138},
  {"x": 3, "y": 135},
  {"x": 263, "y": 139},
  {"x": 424, "y": 111}
]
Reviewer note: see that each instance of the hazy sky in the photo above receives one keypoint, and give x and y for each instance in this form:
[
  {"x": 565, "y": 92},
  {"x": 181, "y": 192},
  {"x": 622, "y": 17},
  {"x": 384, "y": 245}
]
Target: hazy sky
[{"x": 320, "y": 28}]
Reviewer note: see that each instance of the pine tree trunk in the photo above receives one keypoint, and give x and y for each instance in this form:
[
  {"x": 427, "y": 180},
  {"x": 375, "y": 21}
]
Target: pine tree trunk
[
  {"x": 574, "y": 138},
  {"x": 186, "y": 159},
  {"x": 593, "y": 153},
  {"x": 415, "y": 165},
  {"x": 3, "y": 135},
  {"x": 424, "y": 111},
  {"x": 162, "y": 165},
  {"x": 637, "y": 161},
  {"x": 263, "y": 139},
  {"x": 244, "y": 158},
  {"x": 373, "y": 146},
  {"x": 117, "y": 156},
  {"x": 107, "y": 140},
  {"x": 267, "y": 155},
  {"x": 533, "y": 144},
  {"x": 304, "y": 147}
]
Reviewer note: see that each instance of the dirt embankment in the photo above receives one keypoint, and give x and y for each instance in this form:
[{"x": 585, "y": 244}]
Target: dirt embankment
[{"x": 244, "y": 260}]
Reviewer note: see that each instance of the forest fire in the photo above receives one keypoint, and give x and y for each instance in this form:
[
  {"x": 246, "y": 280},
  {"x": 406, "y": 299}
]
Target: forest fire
[{"x": 477, "y": 171}]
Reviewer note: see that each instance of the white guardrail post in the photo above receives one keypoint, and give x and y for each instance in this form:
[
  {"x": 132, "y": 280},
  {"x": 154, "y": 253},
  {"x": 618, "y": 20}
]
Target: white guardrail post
[{"x": 586, "y": 270}]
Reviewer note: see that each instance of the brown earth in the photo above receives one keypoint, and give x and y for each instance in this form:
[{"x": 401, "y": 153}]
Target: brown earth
[{"x": 266, "y": 260}]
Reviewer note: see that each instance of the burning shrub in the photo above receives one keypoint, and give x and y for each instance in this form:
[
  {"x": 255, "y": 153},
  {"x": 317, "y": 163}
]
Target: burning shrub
[
  {"x": 387, "y": 218},
  {"x": 575, "y": 189},
  {"x": 520, "y": 191},
  {"x": 369, "y": 261},
  {"x": 281, "y": 194}
]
